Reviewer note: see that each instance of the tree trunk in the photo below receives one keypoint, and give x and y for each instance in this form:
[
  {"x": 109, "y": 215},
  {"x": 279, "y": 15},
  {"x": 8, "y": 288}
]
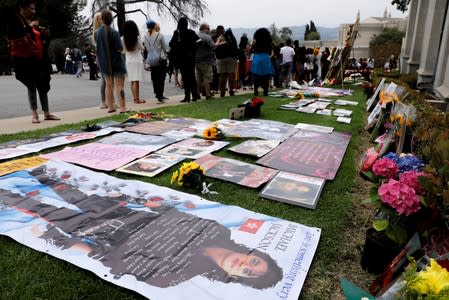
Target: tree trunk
[{"x": 121, "y": 15}]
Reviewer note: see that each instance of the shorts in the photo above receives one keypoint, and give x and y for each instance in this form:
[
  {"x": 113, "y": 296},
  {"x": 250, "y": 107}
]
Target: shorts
[
  {"x": 226, "y": 65},
  {"x": 203, "y": 72}
]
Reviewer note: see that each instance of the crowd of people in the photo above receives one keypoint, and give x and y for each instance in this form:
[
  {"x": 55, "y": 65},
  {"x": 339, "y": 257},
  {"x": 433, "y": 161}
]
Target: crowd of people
[{"x": 203, "y": 63}]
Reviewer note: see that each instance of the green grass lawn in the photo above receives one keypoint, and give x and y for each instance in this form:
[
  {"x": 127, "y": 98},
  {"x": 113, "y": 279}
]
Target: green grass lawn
[{"x": 27, "y": 274}]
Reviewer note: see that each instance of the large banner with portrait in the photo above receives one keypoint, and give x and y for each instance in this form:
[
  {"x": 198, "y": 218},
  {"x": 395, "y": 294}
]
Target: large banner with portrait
[{"x": 162, "y": 243}]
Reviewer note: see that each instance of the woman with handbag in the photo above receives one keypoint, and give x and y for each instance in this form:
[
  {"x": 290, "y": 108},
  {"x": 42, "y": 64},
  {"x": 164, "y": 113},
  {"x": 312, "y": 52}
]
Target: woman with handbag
[
  {"x": 28, "y": 51},
  {"x": 156, "y": 59}
]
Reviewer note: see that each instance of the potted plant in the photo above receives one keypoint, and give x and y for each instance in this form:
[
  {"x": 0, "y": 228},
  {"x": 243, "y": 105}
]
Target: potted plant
[{"x": 397, "y": 197}]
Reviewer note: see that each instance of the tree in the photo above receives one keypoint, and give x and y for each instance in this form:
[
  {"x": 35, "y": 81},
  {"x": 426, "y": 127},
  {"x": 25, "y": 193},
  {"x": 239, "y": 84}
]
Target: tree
[
  {"x": 285, "y": 33},
  {"x": 311, "y": 34},
  {"x": 314, "y": 36},
  {"x": 388, "y": 36},
  {"x": 306, "y": 32},
  {"x": 276, "y": 39},
  {"x": 401, "y": 5},
  {"x": 193, "y": 10},
  {"x": 312, "y": 27}
]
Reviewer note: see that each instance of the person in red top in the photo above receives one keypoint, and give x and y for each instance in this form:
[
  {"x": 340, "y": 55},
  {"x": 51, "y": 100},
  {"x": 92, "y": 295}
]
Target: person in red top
[{"x": 29, "y": 56}]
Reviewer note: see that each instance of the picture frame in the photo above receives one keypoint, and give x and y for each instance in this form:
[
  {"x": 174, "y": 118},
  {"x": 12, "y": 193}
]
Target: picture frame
[{"x": 295, "y": 189}]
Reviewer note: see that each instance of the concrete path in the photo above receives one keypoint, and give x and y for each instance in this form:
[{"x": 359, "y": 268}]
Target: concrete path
[{"x": 70, "y": 98}]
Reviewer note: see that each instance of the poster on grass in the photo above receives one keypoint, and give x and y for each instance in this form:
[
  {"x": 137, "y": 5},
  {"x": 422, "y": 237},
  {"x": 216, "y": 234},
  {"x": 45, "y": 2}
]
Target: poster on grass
[
  {"x": 18, "y": 148},
  {"x": 309, "y": 153},
  {"x": 151, "y": 165},
  {"x": 148, "y": 143},
  {"x": 294, "y": 189},
  {"x": 235, "y": 171},
  {"x": 257, "y": 148},
  {"x": 159, "y": 242},
  {"x": 98, "y": 156},
  {"x": 154, "y": 127},
  {"x": 257, "y": 128},
  {"x": 193, "y": 148}
]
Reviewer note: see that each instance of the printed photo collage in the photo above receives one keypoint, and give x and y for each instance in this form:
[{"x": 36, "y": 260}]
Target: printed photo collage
[{"x": 146, "y": 150}]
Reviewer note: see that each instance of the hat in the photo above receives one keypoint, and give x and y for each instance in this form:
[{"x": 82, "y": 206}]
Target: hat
[{"x": 151, "y": 24}]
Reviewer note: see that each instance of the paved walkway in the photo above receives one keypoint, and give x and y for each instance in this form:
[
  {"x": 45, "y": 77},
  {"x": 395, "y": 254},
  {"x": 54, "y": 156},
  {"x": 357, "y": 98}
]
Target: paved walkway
[{"x": 71, "y": 99}]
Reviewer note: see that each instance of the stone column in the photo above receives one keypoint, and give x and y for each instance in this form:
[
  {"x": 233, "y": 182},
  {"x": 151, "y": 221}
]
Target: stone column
[
  {"x": 433, "y": 27},
  {"x": 415, "y": 51},
  {"x": 441, "y": 81},
  {"x": 407, "y": 41}
]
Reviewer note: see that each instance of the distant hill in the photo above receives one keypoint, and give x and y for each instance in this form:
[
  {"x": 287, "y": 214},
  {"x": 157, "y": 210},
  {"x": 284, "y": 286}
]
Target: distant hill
[{"x": 326, "y": 33}]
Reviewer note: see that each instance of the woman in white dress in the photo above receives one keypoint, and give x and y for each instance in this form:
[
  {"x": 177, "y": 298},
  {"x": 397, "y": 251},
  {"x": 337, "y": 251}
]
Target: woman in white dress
[{"x": 134, "y": 59}]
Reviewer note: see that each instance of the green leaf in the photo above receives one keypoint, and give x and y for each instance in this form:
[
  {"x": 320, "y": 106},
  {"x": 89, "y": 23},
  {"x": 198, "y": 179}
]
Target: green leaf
[
  {"x": 381, "y": 224},
  {"x": 369, "y": 175},
  {"x": 397, "y": 234}
]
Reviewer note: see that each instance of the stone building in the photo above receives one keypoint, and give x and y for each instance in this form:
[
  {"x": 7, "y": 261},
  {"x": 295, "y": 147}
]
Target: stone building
[
  {"x": 367, "y": 29},
  {"x": 425, "y": 49}
]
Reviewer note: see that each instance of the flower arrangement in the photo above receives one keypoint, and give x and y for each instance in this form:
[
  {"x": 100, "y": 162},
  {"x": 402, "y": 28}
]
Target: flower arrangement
[
  {"x": 257, "y": 102},
  {"x": 398, "y": 194},
  {"x": 213, "y": 133},
  {"x": 431, "y": 283},
  {"x": 368, "y": 89},
  {"x": 386, "y": 97},
  {"x": 189, "y": 175}
]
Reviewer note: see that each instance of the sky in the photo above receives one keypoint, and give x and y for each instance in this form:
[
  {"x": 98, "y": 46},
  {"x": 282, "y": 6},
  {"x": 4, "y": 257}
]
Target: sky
[{"x": 283, "y": 13}]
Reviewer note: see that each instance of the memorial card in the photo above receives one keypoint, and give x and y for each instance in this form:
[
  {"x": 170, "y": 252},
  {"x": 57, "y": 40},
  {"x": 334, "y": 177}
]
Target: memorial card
[
  {"x": 256, "y": 148},
  {"x": 294, "y": 189},
  {"x": 235, "y": 171},
  {"x": 193, "y": 148},
  {"x": 151, "y": 165}
]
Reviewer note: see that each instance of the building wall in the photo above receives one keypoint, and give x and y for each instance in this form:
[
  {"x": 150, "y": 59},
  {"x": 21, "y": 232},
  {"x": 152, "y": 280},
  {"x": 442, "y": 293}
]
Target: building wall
[
  {"x": 425, "y": 51},
  {"x": 367, "y": 30}
]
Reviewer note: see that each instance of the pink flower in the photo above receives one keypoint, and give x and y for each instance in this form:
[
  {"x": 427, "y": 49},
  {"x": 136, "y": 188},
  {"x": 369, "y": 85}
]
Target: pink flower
[
  {"x": 368, "y": 159},
  {"x": 399, "y": 196},
  {"x": 410, "y": 178},
  {"x": 385, "y": 167}
]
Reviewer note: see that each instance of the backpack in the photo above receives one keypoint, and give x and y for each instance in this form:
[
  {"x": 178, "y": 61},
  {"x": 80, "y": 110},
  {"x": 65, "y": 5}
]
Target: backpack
[{"x": 154, "y": 55}]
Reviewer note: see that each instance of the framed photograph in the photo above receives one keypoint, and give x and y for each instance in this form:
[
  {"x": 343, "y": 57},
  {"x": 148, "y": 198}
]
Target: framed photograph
[
  {"x": 294, "y": 189},
  {"x": 150, "y": 165},
  {"x": 256, "y": 148}
]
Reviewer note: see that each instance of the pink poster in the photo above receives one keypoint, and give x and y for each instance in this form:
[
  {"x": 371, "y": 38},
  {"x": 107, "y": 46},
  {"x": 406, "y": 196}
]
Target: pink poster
[
  {"x": 309, "y": 153},
  {"x": 98, "y": 156}
]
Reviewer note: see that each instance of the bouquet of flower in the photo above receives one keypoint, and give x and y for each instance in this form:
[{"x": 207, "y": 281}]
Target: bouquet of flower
[
  {"x": 257, "y": 102},
  {"x": 399, "y": 193},
  {"x": 368, "y": 89},
  {"x": 213, "y": 133},
  {"x": 430, "y": 283},
  {"x": 190, "y": 175}
]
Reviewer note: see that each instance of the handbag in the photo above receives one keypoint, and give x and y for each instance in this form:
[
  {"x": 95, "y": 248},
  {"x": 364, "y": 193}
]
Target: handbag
[{"x": 23, "y": 47}]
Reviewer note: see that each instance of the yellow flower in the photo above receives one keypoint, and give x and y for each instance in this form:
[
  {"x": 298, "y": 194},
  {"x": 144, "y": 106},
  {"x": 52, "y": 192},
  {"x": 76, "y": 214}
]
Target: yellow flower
[
  {"x": 432, "y": 280},
  {"x": 174, "y": 176},
  {"x": 299, "y": 95},
  {"x": 210, "y": 133}
]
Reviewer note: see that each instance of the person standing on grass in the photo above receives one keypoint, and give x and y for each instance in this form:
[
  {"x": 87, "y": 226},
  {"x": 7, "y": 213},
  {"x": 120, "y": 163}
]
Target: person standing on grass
[
  {"x": 287, "y": 54},
  {"x": 226, "y": 51},
  {"x": 261, "y": 67},
  {"x": 204, "y": 58},
  {"x": 134, "y": 62},
  {"x": 185, "y": 42},
  {"x": 112, "y": 63},
  {"x": 154, "y": 44},
  {"x": 28, "y": 50},
  {"x": 97, "y": 22}
]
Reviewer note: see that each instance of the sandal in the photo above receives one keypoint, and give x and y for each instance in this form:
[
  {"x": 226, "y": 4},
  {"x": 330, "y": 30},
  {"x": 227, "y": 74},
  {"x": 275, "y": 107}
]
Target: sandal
[
  {"x": 35, "y": 120},
  {"x": 126, "y": 111},
  {"x": 139, "y": 101},
  {"x": 111, "y": 111},
  {"x": 52, "y": 118},
  {"x": 103, "y": 106}
]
